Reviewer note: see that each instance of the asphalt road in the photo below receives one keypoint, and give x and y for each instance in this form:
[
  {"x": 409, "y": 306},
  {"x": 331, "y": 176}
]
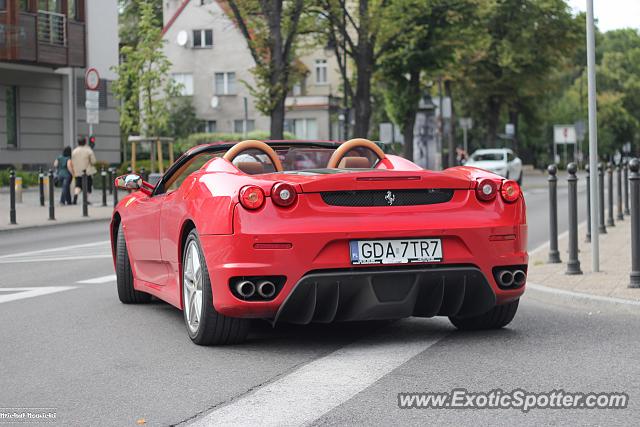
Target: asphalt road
[{"x": 68, "y": 343}]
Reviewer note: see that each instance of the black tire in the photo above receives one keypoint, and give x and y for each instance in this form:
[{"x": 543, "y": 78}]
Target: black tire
[
  {"x": 214, "y": 328},
  {"x": 496, "y": 318},
  {"x": 124, "y": 275}
]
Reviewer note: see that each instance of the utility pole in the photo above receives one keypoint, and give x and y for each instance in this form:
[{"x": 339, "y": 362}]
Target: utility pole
[{"x": 593, "y": 137}]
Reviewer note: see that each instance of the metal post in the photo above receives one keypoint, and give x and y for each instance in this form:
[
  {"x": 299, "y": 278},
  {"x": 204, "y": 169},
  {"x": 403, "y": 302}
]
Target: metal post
[
  {"x": 620, "y": 216},
  {"x": 588, "y": 239},
  {"x": 634, "y": 181},
  {"x": 12, "y": 197},
  {"x": 601, "y": 228},
  {"x": 573, "y": 265},
  {"x": 85, "y": 201},
  {"x": 52, "y": 206},
  {"x": 115, "y": 194},
  {"x": 626, "y": 188},
  {"x": 103, "y": 174},
  {"x": 143, "y": 174},
  {"x": 110, "y": 180},
  {"x": 41, "y": 186},
  {"x": 610, "y": 222},
  {"x": 554, "y": 255},
  {"x": 593, "y": 136}
]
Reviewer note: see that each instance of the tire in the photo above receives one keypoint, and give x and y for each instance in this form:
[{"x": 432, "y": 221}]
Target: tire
[
  {"x": 496, "y": 318},
  {"x": 124, "y": 275},
  {"x": 212, "y": 328}
]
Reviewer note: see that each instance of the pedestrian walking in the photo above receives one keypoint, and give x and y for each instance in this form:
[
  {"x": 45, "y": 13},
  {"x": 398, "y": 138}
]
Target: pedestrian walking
[
  {"x": 461, "y": 156},
  {"x": 64, "y": 167},
  {"x": 83, "y": 159}
]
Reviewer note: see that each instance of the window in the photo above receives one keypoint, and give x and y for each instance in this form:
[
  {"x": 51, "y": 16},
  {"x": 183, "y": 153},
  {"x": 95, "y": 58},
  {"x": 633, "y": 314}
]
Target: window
[
  {"x": 225, "y": 83},
  {"x": 72, "y": 9},
  {"x": 11, "y": 100},
  {"x": 302, "y": 128},
  {"x": 24, "y": 5},
  {"x": 321, "y": 71},
  {"x": 211, "y": 126},
  {"x": 299, "y": 88},
  {"x": 185, "y": 80},
  {"x": 202, "y": 38},
  {"x": 50, "y": 5},
  {"x": 237, "y": 126}
]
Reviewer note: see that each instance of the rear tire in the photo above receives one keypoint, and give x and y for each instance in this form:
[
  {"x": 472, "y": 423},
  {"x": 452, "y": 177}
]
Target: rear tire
[
  {"x": 124, "y": 275},
  {"x": 210, "y": 327},
  {"x": 496, "y": 318}
]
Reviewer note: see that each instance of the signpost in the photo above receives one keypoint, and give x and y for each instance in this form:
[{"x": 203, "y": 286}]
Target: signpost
[
  {"x": 564, "y": 135},
  {"x": 466, "y": 123},
  {"x": 92, "y": 98}
]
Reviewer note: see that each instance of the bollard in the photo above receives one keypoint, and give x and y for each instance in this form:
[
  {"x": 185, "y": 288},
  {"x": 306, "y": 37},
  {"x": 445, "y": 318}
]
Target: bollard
[
  {"x": 610, "y": 222},
  {"x": 601, "y": 226},
  {"x": 554, "y": 255},
  {"x": 41, "y": 186},
  {"x": 103, "y": 174},
  {"x": 620, "y": 216},
  {"x": 625, "y": 166},
  {"x": 573, "y": 265},
  {"x": 52, "y": 208},
  {"x": 12, "y": 197},
  {"x": 115, "y": 194},
  {"x": 110, "y": 180},
  {"x": 85, "y": 201},
  {"x": 143, "y": 174},
  {"x": 588, "y": 238},
  {"x": 634, "y": 181}
]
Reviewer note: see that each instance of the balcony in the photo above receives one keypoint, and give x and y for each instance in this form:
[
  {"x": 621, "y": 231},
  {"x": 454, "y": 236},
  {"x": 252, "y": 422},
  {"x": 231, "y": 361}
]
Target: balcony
[{"x": 42, "y": 38}]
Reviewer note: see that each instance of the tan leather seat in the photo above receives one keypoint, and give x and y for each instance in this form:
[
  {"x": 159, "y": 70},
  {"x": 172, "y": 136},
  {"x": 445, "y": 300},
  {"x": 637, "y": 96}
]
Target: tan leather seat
[
  {"x": 250, "y": 168},
  {"x": 354, "y": 163}
]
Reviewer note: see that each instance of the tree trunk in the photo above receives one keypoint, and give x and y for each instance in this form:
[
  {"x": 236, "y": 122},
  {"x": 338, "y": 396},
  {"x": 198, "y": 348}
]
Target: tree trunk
[
  {"x": 362, "y": 99},
  {"x": 277, "y": 121},
  {"x": 451, "y": 159},
  {"x": 513, "y": 118},
  {"x": 413, "y": 92},
  {"x": 493, "y": 109}
]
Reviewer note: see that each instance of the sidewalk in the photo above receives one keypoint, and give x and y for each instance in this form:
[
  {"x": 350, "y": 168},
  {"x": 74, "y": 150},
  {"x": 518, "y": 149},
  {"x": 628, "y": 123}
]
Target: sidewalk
[
  {"x": 30, "y": 214},
  {"x": 615, "y": 265}
]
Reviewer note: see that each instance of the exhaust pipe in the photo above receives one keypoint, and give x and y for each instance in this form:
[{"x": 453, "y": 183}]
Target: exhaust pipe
[
  {"x": 246, "y": 289},
  {"x": 505, "y": 278},
  {"x": 266, "y": 289},
  {"x": 519, "y": 277}
]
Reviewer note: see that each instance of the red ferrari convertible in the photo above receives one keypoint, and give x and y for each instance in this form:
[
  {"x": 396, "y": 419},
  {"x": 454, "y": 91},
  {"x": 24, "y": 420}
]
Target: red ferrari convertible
[{"x": 318, "y": 231}]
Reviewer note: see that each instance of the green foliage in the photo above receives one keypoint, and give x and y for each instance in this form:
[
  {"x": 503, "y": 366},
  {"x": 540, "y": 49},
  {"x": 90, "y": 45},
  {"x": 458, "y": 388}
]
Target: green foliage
[
  {"x": 182, "y": 118},
  {"x": 130, "y": 17},
  {"x": 192, "y": 140},
  {"x": 29, "y": 178}
]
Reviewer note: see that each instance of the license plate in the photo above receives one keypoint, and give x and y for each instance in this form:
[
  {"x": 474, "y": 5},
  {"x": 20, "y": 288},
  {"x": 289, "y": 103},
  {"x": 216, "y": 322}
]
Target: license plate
[{"x": 398, "y": 251}]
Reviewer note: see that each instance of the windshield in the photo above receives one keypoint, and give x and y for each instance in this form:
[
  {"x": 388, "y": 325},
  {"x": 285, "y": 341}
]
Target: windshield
[{"x": 487, "y": 157}]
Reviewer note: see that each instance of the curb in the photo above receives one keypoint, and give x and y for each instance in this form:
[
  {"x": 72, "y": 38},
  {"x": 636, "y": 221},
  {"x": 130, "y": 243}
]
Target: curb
[{"x": 18, "y": 228}]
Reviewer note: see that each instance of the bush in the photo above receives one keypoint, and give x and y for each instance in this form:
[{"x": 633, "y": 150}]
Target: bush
[
  {"x": 29, "y": 179},
  {"x": 194, "y": 139}
]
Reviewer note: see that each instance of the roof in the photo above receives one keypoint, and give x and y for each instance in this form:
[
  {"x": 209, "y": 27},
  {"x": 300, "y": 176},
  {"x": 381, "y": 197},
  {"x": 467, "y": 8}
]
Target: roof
[{"x": 175, "y": 16}]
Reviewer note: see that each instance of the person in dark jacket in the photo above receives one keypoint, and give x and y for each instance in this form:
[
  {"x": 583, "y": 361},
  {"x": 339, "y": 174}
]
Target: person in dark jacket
[{"x": 64, "y": 166}]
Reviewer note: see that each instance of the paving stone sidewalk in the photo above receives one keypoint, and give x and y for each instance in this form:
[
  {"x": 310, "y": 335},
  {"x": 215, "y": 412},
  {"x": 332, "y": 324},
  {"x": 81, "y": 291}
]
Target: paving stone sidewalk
[
  {"x": 615, "y": 265},
  {"x": 29, "y": 213}
]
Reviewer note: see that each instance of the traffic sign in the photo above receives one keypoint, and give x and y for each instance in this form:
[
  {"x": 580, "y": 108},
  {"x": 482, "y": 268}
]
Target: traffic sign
[
  {"x": 92, "y": 79},
  {"x": 92, "y": 105},
  {"x": 93, "y": 117},
  {"x": 564, "y": 134}
]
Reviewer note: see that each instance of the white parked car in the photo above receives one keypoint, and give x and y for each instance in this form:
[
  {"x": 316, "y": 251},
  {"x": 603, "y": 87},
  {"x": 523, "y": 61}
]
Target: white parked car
[{"x": 501, "y": 161}]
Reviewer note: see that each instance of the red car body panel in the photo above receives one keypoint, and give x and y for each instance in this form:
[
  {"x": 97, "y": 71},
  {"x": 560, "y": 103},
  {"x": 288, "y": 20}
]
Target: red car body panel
[{"x": 314, "y": 235}]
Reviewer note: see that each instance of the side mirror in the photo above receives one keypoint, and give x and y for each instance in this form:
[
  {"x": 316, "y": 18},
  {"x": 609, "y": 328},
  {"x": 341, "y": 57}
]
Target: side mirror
[{"x": 129, "y": 182}]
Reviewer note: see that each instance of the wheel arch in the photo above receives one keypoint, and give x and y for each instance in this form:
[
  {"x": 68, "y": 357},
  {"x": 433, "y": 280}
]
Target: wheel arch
[
  {"x": 116, "y": 220},
  {"x": 186, "y": 228}
]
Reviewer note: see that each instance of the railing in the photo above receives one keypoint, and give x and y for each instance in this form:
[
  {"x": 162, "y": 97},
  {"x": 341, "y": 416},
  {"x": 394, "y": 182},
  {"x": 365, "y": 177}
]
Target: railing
[{"x": 52, "y": 28}]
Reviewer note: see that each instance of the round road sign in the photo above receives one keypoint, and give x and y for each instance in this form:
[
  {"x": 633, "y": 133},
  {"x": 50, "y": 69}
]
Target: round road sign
[{"x": 92, "y": 79}]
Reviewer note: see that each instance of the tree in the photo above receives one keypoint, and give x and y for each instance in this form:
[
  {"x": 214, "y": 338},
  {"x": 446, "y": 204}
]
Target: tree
[
  {"x": 439, "y": 30},
  {"x": 129, "y": 18},
  {"x": 143, "y": 85},
  {"x": 271, "y": 29},
  {"x": 182, "y": 118}
]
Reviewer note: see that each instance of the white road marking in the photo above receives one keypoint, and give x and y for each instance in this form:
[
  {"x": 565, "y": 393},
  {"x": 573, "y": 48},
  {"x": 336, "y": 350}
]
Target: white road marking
[
  {"x": 85, "y": 251},
  {"x": 22, "y": 293},
  {"x": 599, "y": 298},
  {"x": 98, "y": 280},
  {"x": 56, "y": 249},
  {"x": 66, "y": 258},
  {"x": 318, "y": 387}
]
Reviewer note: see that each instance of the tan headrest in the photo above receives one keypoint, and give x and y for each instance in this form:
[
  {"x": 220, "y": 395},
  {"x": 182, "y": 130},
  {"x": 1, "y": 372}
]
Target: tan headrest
[
  {"x": 250, "y": 168},
  {"x": 354, "y": 163}
]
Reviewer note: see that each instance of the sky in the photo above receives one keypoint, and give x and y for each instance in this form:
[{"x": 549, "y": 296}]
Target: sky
[{"x": 612, "y": 14}]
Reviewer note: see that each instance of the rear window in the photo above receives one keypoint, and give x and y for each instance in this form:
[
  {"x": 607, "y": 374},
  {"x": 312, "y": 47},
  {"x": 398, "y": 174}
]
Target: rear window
[{"x": 484, "y": 157}]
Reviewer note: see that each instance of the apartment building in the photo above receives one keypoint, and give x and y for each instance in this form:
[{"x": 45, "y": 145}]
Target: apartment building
[
  {"x": 211, "y": 60},
  {"x": 45, "y": 48}
]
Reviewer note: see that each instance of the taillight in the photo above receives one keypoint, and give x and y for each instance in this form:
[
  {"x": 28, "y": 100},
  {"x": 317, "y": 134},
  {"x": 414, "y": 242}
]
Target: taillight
[
  {"x": 251, "y": 197},
  {"x": 486, "y": 190},
  {"x": 510, "y": 191},
  {"x": 283, "y": 194}
]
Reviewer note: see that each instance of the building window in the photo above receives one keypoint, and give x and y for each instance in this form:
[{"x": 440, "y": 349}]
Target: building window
[
  {"x": 202, "y": 38},
  {"x": 302, "y": 128},
  {"x": 225, "y": 83},
  {"x": 24, "y": 5},
  {"x": 11, "y": 105},
  {"x": 211, "y": 126},
  {"x": 299, "y": 88},
  {"x": 72, "y": 11},
  {"x": 237, "y": 126},
  {"x": 185, "y": 80},
  {"x": 321, "y": 71}
]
